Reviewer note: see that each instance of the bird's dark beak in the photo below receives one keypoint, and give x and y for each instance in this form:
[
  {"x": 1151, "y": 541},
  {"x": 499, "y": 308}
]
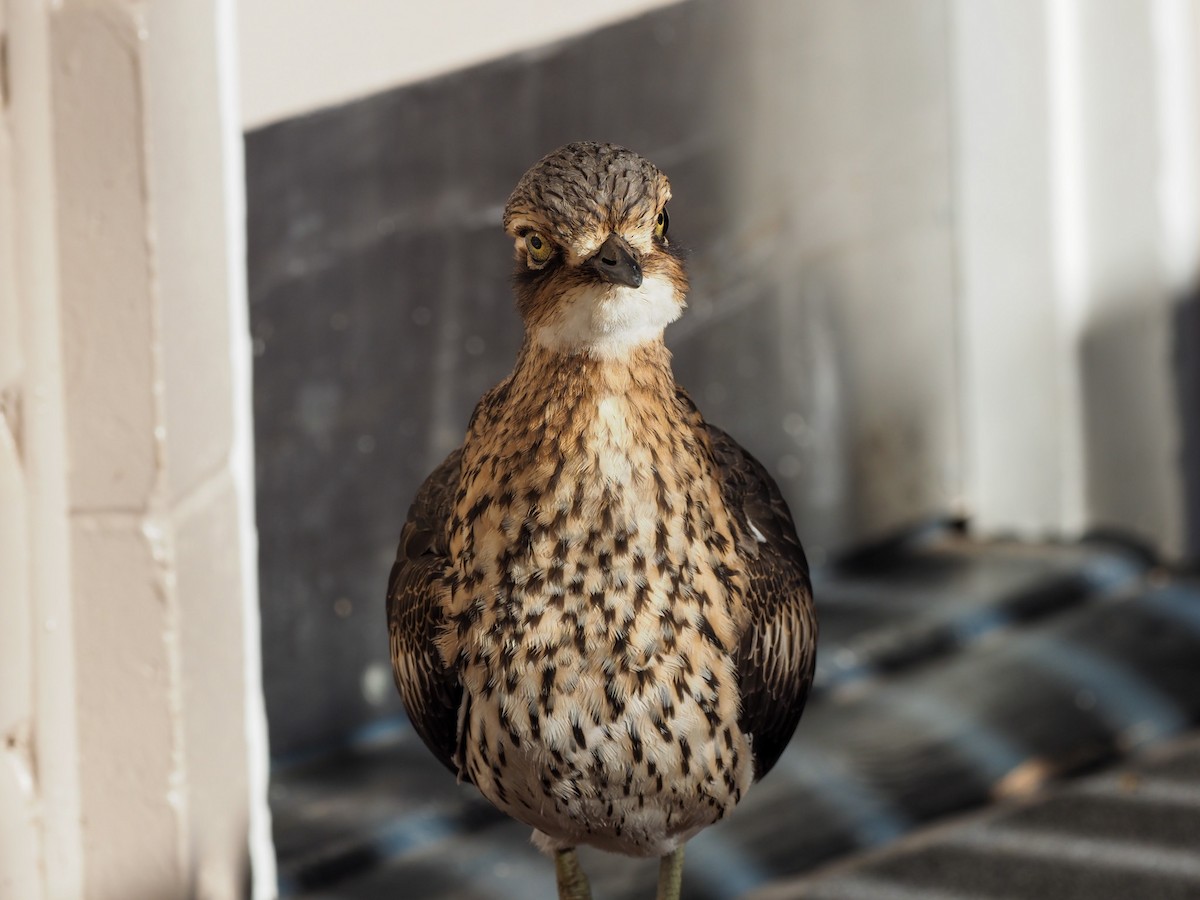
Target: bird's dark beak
[{"x": 616, "y": 262}]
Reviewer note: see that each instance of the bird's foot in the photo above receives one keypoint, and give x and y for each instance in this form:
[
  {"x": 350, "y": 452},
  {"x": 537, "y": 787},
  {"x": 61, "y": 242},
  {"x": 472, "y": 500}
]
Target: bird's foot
[
  {"x": 670, "y": 875},
  {"x": 572, "y": 882}
]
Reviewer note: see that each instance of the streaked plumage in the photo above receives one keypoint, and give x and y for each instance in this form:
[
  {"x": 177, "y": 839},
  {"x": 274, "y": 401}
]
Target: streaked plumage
[{"x": 600, "y": 613}]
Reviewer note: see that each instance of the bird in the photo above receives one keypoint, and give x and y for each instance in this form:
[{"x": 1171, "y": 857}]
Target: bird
[{"x": 600, "y": 613}]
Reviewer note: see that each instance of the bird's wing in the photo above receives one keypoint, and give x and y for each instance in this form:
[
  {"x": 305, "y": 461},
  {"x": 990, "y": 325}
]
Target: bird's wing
[
  {"x": 417, "y": 593},
  {"x": 778, "y": 649}
]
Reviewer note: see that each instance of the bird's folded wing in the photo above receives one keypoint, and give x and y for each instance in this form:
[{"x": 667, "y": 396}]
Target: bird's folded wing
[
  {"x": 778, "y": 649},
  {"x": 417, "y": 594}
]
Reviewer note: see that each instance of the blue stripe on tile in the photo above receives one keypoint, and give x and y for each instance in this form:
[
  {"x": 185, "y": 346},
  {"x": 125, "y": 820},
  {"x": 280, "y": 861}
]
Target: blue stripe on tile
[
  {"x": 412, "y": 833},
  {"x": 871, "y": 817},
  {"x": 975, "y": 624},
  {"x": 1110, "y": 572},
  {"x": 1180, "y": 604},
  {"x": 992, "y": 753},
  {"x": 1124, "y": 699},
  {"x": 722, "y": 866}
]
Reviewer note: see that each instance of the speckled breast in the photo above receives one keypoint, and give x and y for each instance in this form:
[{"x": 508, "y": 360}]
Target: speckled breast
[{"x": 596, "y": 594}]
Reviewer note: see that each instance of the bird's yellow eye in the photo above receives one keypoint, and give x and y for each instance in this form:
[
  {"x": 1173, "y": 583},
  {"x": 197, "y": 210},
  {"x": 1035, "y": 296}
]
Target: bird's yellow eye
[
  {"x": 539, "y": 248},
  {"x": 661, "y": 223}
]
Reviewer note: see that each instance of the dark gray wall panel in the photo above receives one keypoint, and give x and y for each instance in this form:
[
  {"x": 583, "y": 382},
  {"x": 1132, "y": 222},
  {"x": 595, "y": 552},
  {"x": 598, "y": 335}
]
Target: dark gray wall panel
[{"x": 820, "y": 324}]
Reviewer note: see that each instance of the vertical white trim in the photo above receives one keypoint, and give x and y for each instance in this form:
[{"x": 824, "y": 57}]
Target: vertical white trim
[
  {"x": 45, "y": 449},
  {"x": 261, "y": 846},
  {"x": 1007, "y": 270},
  {"x": 1175, "y": 43},
  {"x": 1069, "y": 225},
  {"x": 1174, "y": 35},
  {"x": 1076, "y": 218}
]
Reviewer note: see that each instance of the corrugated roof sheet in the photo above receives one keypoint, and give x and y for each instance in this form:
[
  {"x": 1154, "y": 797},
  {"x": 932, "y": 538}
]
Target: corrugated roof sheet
[
  {"x": 1130, "y": 833},
  {"x": 953, "y": 674}
]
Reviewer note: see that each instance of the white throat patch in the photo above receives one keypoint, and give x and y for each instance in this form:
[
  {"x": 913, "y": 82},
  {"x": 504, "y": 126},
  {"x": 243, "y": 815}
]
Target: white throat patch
[{"x": 609, "y": 320}]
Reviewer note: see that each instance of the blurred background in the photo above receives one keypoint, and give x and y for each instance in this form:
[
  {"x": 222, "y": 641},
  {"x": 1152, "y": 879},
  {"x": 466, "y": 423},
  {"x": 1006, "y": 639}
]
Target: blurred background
[{"x": 252, "y": 282}]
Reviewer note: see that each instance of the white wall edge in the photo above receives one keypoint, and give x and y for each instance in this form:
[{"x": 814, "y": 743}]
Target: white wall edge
[
  {"x": 45, "y": 452},
  {"x": 1069, "y": 224},
  {"x": 1175, "y": 40},
  {"x": 241, "y": 462},
  {"x": 1175, "y": 34}
]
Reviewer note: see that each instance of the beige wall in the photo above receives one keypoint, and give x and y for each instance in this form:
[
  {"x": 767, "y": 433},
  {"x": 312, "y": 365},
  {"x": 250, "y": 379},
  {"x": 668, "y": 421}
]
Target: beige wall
[
  {"x": 20, "y": 837},
  {"x": 297, "y": 57},
  {"x": 40, "y": 826},
  {"x": 132, "y": 738}
]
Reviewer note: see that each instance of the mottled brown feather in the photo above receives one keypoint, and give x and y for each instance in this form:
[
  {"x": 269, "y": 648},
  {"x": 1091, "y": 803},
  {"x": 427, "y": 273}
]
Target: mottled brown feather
[
  {"x": 416, "y": 600},
  {"x": 778, "y": 649},
  {"x": 583, "y": 186}
]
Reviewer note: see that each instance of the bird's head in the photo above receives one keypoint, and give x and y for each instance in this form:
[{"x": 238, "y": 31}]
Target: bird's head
[{"x": 595, "y": 272}]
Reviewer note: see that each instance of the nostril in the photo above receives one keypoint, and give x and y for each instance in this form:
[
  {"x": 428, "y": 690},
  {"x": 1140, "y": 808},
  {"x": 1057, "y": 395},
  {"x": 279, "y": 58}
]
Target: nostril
[{"x": 615, "y": 262}]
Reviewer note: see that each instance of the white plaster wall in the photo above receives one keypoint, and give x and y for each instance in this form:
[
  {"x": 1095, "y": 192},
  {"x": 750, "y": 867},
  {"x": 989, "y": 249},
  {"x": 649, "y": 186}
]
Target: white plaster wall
[
  {"x": 197, "y": 186},
  {"x": 298, "y": 57},
  {"x": 20, "y": 843},
  {"x": 41, "y": 750},
  {"x": 1075, "y": 129},
  {"x": 1016, "y": 471},
  {"x": 132, "y": 738},
  {"x": 147, "y": 294}
]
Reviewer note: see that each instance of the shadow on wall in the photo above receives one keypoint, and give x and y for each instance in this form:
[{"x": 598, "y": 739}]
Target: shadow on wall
[
  {"x": 1131, "y": 443},
  {"x": 1187, "y": 391}
]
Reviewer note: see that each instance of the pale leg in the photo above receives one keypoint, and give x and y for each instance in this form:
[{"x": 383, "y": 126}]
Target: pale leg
[
  {"x": 572, "y": 883},
  {"x": 670, "y": 875}
]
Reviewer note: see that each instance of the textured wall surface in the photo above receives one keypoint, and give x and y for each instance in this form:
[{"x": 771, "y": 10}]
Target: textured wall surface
[
  {"x": 132, "y": 740},
  {"x": 170, "y": 715},
  {"x": 1078, "y": 235},
  {"x": 20, "y": 838},
  {"x": 808, "y": 149}
]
